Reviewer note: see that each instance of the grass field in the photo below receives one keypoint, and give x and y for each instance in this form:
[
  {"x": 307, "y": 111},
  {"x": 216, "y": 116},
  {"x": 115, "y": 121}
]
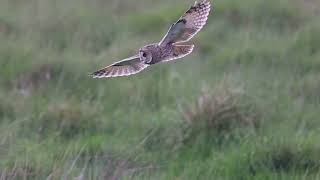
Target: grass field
[{"x": 244, "y": 105}]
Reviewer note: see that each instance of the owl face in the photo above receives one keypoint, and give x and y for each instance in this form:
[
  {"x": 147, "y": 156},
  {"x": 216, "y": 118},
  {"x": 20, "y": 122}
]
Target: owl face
[{"x": 145, "y": 56}]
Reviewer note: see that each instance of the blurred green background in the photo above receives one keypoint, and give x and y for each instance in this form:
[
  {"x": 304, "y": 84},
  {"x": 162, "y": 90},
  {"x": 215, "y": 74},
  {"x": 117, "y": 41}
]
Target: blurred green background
[{"x": 244, "y": 105}]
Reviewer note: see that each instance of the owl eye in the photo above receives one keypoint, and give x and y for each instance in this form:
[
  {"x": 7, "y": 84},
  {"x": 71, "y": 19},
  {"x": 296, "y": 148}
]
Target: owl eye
[{"x": 144, "y": 54}]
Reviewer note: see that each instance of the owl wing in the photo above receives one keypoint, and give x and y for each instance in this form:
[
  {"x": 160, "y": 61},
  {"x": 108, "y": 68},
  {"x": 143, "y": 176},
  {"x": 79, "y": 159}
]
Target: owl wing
[
  {"x": 189, "y": 24},
  {"x": 179, "y": 51},
  {"x": 126, "y": 67}
]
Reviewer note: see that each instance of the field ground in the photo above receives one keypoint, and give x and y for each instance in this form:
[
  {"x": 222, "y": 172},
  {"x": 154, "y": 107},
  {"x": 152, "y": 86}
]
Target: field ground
[{"x": 244, "y": 105}]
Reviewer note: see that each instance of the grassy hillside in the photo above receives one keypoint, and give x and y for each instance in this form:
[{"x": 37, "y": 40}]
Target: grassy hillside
[{"x": 244, "y": 105}]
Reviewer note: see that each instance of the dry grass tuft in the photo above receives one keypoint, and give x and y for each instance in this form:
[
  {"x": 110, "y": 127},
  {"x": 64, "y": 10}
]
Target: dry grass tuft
[
  {"x": 219, "y": 113},
  {"x": 214, "y": 117}
]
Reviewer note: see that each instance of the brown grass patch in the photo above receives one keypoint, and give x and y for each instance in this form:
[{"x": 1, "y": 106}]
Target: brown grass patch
[{"x": 218, "y": 113}]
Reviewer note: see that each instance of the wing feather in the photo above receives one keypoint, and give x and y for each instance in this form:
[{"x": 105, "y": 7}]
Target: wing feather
[
  {"x": 189, "y": 24},
  {"x": 125, "y": 67},
  {"x": 179, "y": 51}
]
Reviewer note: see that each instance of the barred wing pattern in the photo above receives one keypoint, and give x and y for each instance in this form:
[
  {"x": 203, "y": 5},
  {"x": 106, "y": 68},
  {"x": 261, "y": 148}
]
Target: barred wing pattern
[
  {"x": 179, "y": 51},
  {"x": 125, "y": 67},
  {"x": 189, "y": 24}
]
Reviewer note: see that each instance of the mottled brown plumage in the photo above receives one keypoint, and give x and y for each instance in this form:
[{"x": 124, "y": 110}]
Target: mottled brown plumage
[{"x": 167, "y": 49}]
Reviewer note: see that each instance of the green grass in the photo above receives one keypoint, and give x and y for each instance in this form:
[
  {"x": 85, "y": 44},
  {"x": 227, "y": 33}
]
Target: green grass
[{"x": 244, "y": 105}]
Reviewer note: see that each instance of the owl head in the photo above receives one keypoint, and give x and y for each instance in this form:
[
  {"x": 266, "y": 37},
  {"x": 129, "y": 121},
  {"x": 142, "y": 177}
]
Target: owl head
[{"x": 145, "y": 55}]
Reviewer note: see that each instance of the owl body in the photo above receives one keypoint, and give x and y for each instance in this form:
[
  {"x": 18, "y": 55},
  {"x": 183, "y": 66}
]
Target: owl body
[{"x": 155, "y": 53}]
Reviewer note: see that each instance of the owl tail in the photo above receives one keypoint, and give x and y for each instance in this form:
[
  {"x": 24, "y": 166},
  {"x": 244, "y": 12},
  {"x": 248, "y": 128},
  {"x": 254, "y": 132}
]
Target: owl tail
[{"x": 180, "y": 51}]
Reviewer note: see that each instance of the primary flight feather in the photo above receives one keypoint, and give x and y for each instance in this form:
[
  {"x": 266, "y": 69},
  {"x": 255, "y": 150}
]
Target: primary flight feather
[{"x": 167, "y": 49}]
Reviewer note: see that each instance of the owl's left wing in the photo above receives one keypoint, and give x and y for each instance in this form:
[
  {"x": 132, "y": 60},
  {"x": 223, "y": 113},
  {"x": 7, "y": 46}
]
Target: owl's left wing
[
  {"x": 179, "y": 51},
  {"x": 189, "y": 24},
  {"x": 126, "y": 67}
]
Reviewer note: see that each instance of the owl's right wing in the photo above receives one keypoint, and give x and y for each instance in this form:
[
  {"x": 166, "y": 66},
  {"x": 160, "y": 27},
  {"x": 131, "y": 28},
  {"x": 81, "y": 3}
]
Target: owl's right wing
[
  {"x": 126, "y": 67},
  {"x": 189, "y": 24}
]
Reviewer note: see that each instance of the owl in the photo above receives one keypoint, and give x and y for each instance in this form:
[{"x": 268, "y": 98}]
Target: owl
[{"x": 168, "y": 49}]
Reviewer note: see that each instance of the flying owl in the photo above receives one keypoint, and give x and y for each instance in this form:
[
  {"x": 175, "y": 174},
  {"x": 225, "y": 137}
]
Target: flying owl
[{"x": 169, "y": 48}]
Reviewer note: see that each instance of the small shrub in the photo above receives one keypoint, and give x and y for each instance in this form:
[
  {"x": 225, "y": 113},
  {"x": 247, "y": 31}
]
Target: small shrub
[
  {"x": 213, "y": 118},
  {"x": 216, "y": 115}
]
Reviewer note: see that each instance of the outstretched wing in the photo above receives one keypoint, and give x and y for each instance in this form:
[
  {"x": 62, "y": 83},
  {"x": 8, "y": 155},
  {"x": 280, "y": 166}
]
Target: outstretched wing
[
  {"x": 125, "y": 67},
  {"x": 179, "y": 51},
  {"x": 189, "y": 24}
]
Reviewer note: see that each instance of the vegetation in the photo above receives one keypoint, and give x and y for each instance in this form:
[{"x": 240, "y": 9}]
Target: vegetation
[{"x": 244, "y": 105}]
